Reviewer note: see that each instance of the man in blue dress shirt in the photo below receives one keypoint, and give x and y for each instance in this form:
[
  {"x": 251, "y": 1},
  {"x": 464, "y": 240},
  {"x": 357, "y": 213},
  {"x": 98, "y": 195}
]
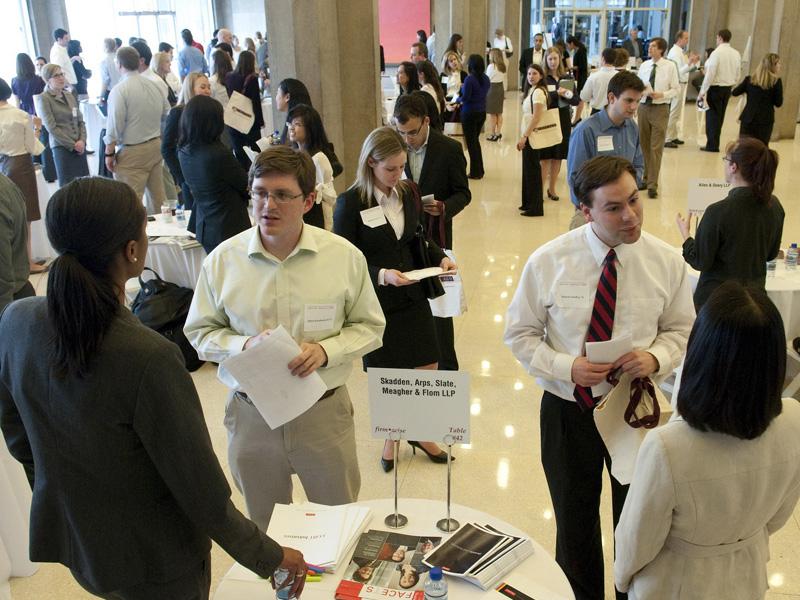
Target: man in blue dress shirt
[
  {"x": 608, "y": 132},
  {"x": 190, "y": 59}
]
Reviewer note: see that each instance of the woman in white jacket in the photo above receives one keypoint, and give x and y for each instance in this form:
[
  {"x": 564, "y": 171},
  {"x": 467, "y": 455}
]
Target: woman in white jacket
[
  {"x": 307, "y": 133},
  {"x": 712, "y": 485}
]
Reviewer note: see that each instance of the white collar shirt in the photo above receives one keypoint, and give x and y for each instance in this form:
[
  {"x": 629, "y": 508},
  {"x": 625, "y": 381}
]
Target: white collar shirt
[
  {"x": 678, "y": 56},
  {"x": 16, "y": 133},
  {"x": 549, "y": 316},
  {"x": 59, "y": 56},
  {"x": 416, "y": 158},
  {"x": 666, "y": 79},
  {"x": 595, "y": 90},
  {"x": 722, "y": 68},
  {"x": 392, "y": 207},
  {"x": 243, "y": 290}
]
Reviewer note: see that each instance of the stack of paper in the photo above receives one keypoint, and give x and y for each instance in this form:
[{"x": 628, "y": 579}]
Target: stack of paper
[
  {"x": 324, "y": 534},
  {"x": 480, "y": 554}
]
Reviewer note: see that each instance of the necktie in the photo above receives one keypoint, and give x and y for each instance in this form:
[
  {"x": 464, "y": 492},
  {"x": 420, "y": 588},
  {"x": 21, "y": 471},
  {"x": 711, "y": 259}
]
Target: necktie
[
  {"x": 602, "y": 322},
  {"x": 649, "y": 99}
]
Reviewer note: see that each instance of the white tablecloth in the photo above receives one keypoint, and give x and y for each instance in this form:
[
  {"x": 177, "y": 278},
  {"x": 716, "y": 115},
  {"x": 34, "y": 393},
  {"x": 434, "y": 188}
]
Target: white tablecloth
[
  {"x": 539, "y": 568},
  {"x": 40, "y": 245},
  {"x": 174, "y": 263},
  {"x": 15, "y": 508},
  {"x": 266, "y": 108}
]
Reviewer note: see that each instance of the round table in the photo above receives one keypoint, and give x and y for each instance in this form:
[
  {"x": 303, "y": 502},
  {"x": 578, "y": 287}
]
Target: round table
[
  {"x": 15, "y": 507},
  {"x": 539, "y": 576}
]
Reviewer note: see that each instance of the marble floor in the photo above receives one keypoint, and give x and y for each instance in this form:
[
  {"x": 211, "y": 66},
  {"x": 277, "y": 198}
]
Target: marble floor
[{"x": 500, "y": 471}]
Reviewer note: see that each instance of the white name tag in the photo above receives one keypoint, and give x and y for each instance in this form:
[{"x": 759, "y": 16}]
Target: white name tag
[
  {"x": 573, "y": 294},
  {"x": 373, "y": 217},
  {"x": 74, "y": 113},
  {"x": 551, "y": 88},
  {"x": 605, "y": 143},
  {"x": 319, "y": 317}
]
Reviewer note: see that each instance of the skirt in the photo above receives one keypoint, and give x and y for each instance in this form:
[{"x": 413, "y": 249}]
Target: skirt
[
  {"x": 559, "y": 151},
  {"x": 19, "y": 169},
  {"x": 494, "y": 99},
  {"x": 409, "y": 340}
]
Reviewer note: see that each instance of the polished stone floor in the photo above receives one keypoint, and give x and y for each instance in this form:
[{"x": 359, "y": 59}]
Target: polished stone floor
[{"x": 500, "y": 471}]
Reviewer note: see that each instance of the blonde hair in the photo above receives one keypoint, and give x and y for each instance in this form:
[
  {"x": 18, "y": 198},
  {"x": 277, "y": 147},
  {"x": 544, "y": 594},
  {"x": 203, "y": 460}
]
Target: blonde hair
[
  {"x": 561, "y": 70},
  {"x": 49, "y": 70},
  {"x": 765, "y": 75},
  {"x": 155, "y": 62},
  {"x": 496, "y": 59},
  {"x": 446, "y": 62},
  {"x": 381, "y": 144},
  {"x": 187, "y": 89}
]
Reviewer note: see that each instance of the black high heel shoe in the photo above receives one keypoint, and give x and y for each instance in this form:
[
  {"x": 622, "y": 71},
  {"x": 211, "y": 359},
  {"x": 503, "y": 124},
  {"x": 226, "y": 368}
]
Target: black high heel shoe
[
  {"x": 437, "y": 458},
  {"x": 387, "y": 464}
]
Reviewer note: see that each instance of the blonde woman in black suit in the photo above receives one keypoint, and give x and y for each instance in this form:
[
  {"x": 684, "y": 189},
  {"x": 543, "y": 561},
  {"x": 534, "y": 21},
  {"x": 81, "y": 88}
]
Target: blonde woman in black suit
[{"x": 409, "y": 341}]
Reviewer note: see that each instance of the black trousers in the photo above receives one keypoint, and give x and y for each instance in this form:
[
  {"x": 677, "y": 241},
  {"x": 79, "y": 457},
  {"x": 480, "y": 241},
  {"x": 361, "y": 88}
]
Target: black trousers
[
  {"x": 757, "y": 130},
  {"x": 48, "y": 164},
  {"x": 573, "y": 455},
  {"x": 192, "y": 585},
  {"x": 532, "y": 193},
  {"x": 26, "y": 291},
  {"x": 717, "y": 99},
  {"x": 472, "y": 123},
  {"x": 448, "y": 361}
]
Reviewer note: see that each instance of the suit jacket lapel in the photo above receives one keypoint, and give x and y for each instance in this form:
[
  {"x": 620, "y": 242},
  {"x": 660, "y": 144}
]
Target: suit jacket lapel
[{"x": 410, "y": 214}]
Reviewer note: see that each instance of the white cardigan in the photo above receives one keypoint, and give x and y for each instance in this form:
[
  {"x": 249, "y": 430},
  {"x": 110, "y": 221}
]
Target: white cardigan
[{"x": 701, "y": 508}]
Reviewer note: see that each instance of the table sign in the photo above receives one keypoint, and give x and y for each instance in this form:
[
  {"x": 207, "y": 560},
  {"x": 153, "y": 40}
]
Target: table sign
[{"x": 704, "y": 192}]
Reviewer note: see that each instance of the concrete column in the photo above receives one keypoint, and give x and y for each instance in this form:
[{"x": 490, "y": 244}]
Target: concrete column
[
  {"x": 440, "y": 21},
  {"x": 46, "y": 17},
  {"x": 787, "y": 13},
  {"x": 332, "y": 47},
  {"x": 475, "y": 28}
]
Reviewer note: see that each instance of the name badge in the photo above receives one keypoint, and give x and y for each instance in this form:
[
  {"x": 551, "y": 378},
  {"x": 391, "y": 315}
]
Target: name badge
[
  {"x": 319, "y": 317},
  {"x": 573, "y": 294},
  {"x": 74, "y": 113},
  {"x": 605, "y": 143},
  {"x": 373, "y": 217},
  {"x": 551, "y": 88}
]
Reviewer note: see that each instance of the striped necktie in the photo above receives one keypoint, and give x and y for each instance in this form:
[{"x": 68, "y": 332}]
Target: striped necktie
[{"x": 602, "y": 322}]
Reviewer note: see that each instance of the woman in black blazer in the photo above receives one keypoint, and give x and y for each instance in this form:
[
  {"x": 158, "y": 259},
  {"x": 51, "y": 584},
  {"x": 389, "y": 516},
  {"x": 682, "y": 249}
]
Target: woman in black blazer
[
  {"x": 380, "y": 216},
  {"x": 107, "y": 423},
  {"x": 764, "y": 92},
  {"x": 217, "y": 180}
]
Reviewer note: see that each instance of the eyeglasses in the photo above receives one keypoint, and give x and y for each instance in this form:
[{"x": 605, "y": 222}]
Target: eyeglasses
[
  {"x": 726, "y": 159},
  {"x": 408, "y": 134},
  {"x": 58, "y": 75},
  {"x": 279, "y": 197},
  {"x": 294, "y": 125}
]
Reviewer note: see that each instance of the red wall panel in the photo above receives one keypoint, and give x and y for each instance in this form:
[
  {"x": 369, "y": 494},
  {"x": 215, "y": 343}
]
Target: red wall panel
[{"x": 399, "y": 21}]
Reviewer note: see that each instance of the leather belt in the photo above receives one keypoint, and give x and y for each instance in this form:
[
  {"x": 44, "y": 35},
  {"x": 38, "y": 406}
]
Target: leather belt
[
  {"x": 327, "y": 394},
  {"x": 140, "y": 143}
]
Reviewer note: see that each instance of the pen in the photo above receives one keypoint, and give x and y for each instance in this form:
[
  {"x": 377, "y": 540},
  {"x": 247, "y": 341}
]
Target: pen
[
  {"x": 314, "y": 578},
  {"x": 315, "y": 568}
]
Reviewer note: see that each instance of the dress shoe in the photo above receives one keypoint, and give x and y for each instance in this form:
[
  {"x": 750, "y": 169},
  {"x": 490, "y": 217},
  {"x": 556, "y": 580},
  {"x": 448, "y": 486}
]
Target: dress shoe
[
  {"x": 652, "y": 193},
  {"x": 530, "y": 213},
  {"x": 90, "y": 152},
  {"x": 707, "y": 149},
  {"x": 437, "y": 458},
  {"x": 671, "y": 145},
  {"x": 679, "y": 142},
  {"x": 641, "y": 187},
  {"x": 521, "y": 208},
  {"x": 498, "y": 136},
  {"x": 552, "y": 197},
  {"x": 387, "y": 464},
  {"x": 491, "y": 138}
]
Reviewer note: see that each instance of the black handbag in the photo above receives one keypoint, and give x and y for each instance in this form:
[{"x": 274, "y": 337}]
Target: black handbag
[
  {"x": 420, "y": 251},
  {"x": 163, "y": 307}
]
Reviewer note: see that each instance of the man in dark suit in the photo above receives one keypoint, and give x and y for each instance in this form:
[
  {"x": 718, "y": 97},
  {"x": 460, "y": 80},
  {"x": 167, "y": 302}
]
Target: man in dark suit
[
  {"x": 532, "y": 56},
  {"x": 437, "y": 165},
  {"x": 633, "y": 44}
]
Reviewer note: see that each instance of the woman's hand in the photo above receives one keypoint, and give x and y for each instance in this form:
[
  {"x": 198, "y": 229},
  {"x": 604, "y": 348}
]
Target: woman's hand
[
  {"x": 396, "y": 278},
  {"x": 521, "y": 143},
  {"x": 447, "y": 264},
  {"x": 80, "y": 146},
  {"x": 684, "y": 225}
]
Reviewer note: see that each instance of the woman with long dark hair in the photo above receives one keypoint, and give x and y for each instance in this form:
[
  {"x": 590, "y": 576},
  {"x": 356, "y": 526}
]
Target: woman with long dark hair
[
  {"x": 456, "y": 44},
  {"x": 221, "y": 65},
  {"x": 218, "y": 182},
  {"x": 245, "y": 81},
  {"x": 307, "y": 133},
  {"x": 711, "y": 486},
  {"x": 409, "y": 341},
  {"x": 25, "y": 86},
  {"x": 739, "y": 234},
  {"x": 473, "y": 112},
  {"x": 85, "y": 392},
  {"x": 81, "y": 72},
  {"x": 764, "y": 93},
  {"x": 428, "y": 78},
  {"x": 291, "y": 92},
  {"x": 407, "y": 77},
  {"x": 533, "y": 107}
]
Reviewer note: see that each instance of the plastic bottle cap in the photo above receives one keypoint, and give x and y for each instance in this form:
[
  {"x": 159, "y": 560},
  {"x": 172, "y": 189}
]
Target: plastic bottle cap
[{"x": 436, "y": 573}]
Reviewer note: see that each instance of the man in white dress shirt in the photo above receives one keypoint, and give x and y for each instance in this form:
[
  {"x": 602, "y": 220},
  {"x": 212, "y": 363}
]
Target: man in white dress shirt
[
  {"x": 660, "y": 77},
  {"x": 595, "y": 90},
  {"x": 546, "y": 328},
  {"x": 722, "y": 70},
  {"x": 686, "y": 65},
  {"x": 317, "y": 286},
  {"x": 59, "y": 55}
]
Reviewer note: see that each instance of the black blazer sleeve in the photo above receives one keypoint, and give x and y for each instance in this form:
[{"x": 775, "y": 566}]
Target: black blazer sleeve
[
  {"x": 347, "y": 222},
  {"x": 741, "y": 88},
  {"x": 169, "y": 144},
  {"x": 777, "y": 94},
  {"x": 701, "y": 251},
  {"x": 251, "y": 91},
  {"x": 233, "y": 174},
  {"x": 14, "y": 432}
]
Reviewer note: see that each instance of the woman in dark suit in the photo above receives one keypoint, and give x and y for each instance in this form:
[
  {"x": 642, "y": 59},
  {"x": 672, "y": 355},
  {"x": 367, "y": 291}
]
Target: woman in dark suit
[
  {"x": 764, "y": 92},
  {"x": 217, "y": 181},
  {"x": 380, "y": 216},
  {"x": 740, "y": 233},
  {"x": 473, "y": 112},
  {"x": 122, "y": 496},
  {"x": 245, "y": 81}
]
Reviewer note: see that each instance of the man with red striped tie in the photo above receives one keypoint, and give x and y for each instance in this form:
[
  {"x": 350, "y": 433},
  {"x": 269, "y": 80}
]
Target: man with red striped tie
[{"x": 603, "y": 280}]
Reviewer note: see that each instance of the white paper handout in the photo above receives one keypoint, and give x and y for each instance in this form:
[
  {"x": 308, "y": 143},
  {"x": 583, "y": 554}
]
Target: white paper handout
[
  {"x": 607, "y": 352},
  {"x": 263, "y": 374},
  {"x": 420, "y": 274}
]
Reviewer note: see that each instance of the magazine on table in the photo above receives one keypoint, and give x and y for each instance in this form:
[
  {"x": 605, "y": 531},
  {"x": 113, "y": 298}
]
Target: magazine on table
[
  {"x": 387, "y": 564},
  {"x": 480, "y": 554}
]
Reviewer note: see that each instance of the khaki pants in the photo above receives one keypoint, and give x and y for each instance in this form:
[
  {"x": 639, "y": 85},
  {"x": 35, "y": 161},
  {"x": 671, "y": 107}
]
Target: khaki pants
[
  {"x": 653, "y": 119},
  {"x": 319, "y": 446},
  {"x": 675, "y": 127},
  {"x": 140, "y": 167}
]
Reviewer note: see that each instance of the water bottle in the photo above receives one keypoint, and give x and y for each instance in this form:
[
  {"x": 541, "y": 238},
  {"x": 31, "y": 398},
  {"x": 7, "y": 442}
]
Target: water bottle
[
  {"x": 275, "y": 138},
  {"x": 435, "y": 585},
  {"x": 791, "y": 258},
  {"x": 772, "y": 266},
  {"x": 180, "y": 216},
  {"x": 283, "y": 583}
]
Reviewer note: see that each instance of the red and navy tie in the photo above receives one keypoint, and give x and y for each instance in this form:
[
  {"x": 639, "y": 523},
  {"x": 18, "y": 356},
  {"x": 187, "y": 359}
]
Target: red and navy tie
[{"x": 602, "y": 323}]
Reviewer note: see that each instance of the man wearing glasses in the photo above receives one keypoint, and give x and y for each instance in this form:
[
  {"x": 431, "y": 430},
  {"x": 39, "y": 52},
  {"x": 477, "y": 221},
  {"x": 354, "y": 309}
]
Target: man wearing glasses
[
  {"x": 437, "y": 165},
  {"x": 317, "y": 286}
]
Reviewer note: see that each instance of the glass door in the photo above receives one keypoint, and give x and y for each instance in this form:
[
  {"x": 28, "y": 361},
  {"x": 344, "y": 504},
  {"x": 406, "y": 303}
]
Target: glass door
[{"x": 589, "y": 28}]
